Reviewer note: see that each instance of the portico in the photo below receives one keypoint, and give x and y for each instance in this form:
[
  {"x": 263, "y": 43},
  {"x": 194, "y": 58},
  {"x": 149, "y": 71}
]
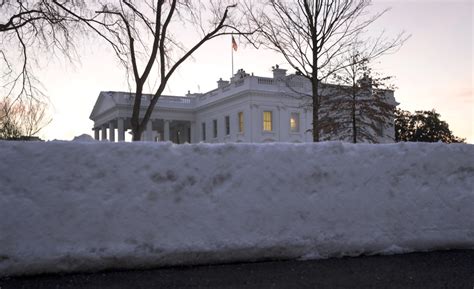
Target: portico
[
  {"x": 176, "y": 131},
  {"x": 111, "y": 121}
]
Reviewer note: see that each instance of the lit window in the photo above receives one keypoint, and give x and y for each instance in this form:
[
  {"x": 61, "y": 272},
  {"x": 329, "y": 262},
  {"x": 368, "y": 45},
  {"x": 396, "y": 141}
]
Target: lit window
[
  {"x": 267, "y": 121},
  {"x": 215, "y": 127},
  {"x": 227, "y": 125},
  {"x": 203, "y": 131},
  {"x": 295, "y": 122},
  {"x": 241, "y": 122}
]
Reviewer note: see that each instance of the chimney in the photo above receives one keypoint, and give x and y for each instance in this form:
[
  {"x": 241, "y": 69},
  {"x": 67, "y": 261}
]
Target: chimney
[
  {"x": 278, "y": 73},
  {"x": 366, "y": 83},
  {"x": 222, "y": 83}
]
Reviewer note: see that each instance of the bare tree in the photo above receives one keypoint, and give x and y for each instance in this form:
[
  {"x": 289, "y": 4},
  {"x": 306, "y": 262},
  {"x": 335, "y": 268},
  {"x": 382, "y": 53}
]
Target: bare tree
[
  {"x": 359, "y": 105},
  {"x": 141, "y": 34},
  {"x": 313, "y": 35},
  {"x": 29, "y": 30},
  {"x": 22, "y": 119}
]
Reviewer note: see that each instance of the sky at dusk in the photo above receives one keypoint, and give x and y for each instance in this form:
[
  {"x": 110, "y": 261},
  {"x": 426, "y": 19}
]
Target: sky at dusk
[{"x": 433, "y": 70}]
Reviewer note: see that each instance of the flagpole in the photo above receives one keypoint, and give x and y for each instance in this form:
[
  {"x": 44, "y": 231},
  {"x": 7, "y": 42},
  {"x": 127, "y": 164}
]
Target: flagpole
[{"x": 232, "y": 56}]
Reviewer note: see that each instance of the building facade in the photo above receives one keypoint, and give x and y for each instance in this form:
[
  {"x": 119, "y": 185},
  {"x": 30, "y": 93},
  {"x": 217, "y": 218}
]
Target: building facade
[{"x": 247, "y": 108}]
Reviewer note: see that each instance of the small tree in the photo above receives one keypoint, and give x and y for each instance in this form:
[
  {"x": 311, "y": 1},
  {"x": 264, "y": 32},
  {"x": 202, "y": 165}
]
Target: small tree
[
  {"x": 423, "y": 126},
  {"x": 9, "y": 122},
  {"x": 21, "y": 119},
  {"x": 359, "y": 106}
]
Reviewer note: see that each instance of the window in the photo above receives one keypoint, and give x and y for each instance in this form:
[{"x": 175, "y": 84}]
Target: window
[
  {"x": 203, "y": 131},
  {"x": 380, "y": 127},
  {"x": 267, "y": 121},
  {"x": 241, "y": 122},
  {"x": 295, "y": 122},
  {"x": 227, "y": 125},
  {"x": 214, "y": 122}
]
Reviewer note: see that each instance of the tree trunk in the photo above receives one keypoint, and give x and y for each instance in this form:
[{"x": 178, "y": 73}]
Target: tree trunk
[
  {"x": 354, "y": 127},
  {"x": 135, "y": 120},
  {"x": 136, "y": 131},
  {"x": 314, "y": 76},
  {"x": 136, "y": 135},
  {"x": 314, "y": 86}
]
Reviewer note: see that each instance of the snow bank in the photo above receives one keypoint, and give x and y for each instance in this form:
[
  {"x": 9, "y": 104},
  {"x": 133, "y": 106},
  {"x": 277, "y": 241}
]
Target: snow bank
[
  {"x": 68, "y": 206},
  {"x": 84, "y": 138}
]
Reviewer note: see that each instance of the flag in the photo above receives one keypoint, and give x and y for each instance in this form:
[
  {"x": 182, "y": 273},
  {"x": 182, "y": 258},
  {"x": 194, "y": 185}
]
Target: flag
[{"x": 234, "y": 44}]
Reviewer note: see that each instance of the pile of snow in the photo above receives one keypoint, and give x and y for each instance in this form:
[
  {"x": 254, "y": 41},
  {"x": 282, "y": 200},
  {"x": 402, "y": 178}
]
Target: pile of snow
[
  {"x": 84, "y": 138},
  {"x": 68, "y": 206}
]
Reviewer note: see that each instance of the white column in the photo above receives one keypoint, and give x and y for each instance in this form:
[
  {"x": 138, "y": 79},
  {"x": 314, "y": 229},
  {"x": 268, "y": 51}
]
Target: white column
[
  {"x": 96, "y": 134},
  {"x": 184, "y": 133},
  {"x": 104, "y": 133},
  {"x": 253, "y": 124},
  {"x": 148, "y": 131},
  {"x": 167, "y": 130},
  {"x": 309, "y": 124},
  {"x": 111, "y": 131},
  {"x": 193, "y": 137},
  {"x": 278, "y": 119},
  {"x": 121, "y": 130}
]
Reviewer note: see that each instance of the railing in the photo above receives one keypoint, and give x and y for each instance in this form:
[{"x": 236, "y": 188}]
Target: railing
[
  {"x": 190, "y": 101},
  {"x": 129, "y": 98},
  {"x": 265, "y": 81},
  {"x": 176, "y": 99}
]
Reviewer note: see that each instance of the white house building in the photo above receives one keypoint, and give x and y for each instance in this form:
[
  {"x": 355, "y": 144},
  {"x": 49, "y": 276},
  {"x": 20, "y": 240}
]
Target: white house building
[{"x": 247, "y": 108}]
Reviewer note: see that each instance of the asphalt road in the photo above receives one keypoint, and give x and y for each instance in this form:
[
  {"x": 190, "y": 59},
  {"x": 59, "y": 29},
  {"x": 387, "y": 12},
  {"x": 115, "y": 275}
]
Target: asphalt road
[{"x": 440, "y": 269}]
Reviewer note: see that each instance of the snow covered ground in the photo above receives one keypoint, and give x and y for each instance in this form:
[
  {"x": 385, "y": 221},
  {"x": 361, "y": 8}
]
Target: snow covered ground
[{"x": 67, "y": 206}]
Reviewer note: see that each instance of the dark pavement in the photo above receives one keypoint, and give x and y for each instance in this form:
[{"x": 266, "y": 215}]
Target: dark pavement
[{"x": 440, "y": 269}]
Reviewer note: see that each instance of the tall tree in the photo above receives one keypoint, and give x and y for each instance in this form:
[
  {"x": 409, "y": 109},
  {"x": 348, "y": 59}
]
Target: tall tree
[
  {"x": 143, "y": 36},
  {"x": 312, "y": 35},
  {"x": 423, "y": 126},
  {"x": 30, "y": 30},
  {"x": 360, "y": 106}
]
